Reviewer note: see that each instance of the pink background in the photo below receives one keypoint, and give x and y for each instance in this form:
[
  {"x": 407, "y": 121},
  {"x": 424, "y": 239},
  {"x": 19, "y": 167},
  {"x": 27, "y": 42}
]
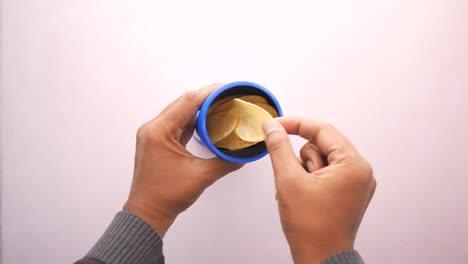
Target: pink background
[{"x": 79, "y": 77}]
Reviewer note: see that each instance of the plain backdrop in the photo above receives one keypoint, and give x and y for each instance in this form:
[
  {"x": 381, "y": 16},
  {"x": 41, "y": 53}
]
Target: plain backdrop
[{"x": 79, "y": 77}]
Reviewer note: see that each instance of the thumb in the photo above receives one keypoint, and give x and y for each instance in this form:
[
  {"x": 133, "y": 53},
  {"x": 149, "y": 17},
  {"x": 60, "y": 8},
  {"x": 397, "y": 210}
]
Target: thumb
[{"x": 281, "y": 152}]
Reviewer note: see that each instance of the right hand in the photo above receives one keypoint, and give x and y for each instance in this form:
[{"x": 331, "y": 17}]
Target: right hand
[{"x": 322, "y": 196}]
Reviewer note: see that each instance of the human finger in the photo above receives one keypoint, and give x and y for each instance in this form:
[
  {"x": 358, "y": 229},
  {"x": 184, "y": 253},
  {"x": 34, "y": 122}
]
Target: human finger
[
  {"x": 281, "y": 152},
  {"x": 187, "y": 132},
  {"x": 311, "y": 157},
  {"x": 180, "y": 112},
  {"x": 334, "y": 145}
]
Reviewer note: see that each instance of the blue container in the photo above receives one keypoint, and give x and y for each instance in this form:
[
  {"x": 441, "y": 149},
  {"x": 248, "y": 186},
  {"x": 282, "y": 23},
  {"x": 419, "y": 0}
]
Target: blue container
[{"x": 251, "y": 153}]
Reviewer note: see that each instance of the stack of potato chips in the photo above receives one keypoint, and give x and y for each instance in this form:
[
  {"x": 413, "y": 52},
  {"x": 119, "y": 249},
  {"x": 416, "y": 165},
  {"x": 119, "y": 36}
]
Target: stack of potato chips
[{"x": 235, "y": 122}]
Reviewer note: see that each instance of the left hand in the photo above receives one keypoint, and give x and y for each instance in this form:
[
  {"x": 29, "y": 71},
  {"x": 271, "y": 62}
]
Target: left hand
[{"x": 167, "y": 178}]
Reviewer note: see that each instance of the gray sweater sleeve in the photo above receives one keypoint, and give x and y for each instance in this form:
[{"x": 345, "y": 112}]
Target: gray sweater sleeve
[
  {"x": 345, "y": 257},
  {"x": 128, "y": 239}
]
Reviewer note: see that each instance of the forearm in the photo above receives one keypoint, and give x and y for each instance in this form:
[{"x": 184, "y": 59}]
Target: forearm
[{"x": 128, "y": 239}]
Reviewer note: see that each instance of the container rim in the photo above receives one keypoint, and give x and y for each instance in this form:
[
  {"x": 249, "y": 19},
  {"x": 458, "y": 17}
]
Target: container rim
[{"x": 201, "y": 122}]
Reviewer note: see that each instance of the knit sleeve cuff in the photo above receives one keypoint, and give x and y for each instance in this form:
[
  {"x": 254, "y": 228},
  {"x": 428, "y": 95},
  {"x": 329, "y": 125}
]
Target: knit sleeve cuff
[
  {"x": 345, "y": 257},
  {"x": 128, "y": 239}
]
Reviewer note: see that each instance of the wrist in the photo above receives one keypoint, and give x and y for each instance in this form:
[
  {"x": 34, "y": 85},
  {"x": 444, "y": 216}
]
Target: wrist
[{"x": 159, "y": 221}]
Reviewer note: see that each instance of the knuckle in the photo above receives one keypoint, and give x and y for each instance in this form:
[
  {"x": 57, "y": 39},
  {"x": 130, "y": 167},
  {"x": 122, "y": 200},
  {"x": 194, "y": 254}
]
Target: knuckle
[
  {"x": 310, "y": 152},
  {"x": 149, "y": 134},
  {"x": 152, "y": 139},
  {"x": 141, "y": 132},
  {"x": 327, "y": 125},
  {"x": 156, "y": 134},
  {"x": 190, "y": 96},
  {"x": 364, "y": 173},
  {"x": 373, "y": 184},
  {"x": 306, "y": 150},
  {"x": 367, "y": 168}
]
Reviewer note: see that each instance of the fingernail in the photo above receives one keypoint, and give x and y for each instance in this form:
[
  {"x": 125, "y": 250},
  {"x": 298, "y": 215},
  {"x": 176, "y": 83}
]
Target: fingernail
[
  {"x": 310, "y": 166},
  {"x": 270, "y": 126}
]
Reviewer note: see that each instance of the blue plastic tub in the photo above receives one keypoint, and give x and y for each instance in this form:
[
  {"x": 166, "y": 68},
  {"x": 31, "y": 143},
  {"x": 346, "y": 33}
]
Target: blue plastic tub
[{"x": 251, "y": 153}]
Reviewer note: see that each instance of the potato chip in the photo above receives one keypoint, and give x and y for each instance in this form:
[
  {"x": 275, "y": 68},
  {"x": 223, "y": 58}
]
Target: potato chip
[
  {"x": 253, "y": 99},
  {"x": 220, "y": 125},
  {"x": 224, "y": 106},
  {"x": 226, "y": 103},
  {"x": 214, "y": 107},
  {"x": 251, "y": 119},
  {"x": 236, "y": 123},
  {"x": 270, "y": 109},
  {"x": 233, "y": 142}
]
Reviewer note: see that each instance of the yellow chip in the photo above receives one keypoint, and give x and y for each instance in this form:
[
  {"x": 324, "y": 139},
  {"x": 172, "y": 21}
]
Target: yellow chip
[
  {"x": 224, "y": 106},
  {"x": 220, "y": 125},
  {"x": 251, "y": 119},
  {"x": 226, "y": 103},
  {"x": 236, "y": 123},
  {"x": 253, "y": 99},
  {"x": 214, "y": 107},
  {"x": 233, "y": 142},
  {"x": 270, "y": 109}
]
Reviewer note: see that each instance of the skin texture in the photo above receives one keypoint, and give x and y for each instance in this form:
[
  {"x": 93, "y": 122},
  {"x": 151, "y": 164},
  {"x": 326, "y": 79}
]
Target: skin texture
[
  {"x": 167, "y": 178},
  {"x": 323, "y": 194}
]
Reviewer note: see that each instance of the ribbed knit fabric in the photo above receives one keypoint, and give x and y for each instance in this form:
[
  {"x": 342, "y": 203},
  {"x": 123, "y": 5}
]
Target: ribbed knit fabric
[
  {"x": 345, "y": 257},
  {"x": 128, "y": 239}
]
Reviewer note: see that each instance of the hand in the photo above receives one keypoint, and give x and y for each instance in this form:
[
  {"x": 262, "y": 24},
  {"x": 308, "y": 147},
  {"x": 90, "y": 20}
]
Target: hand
[
  {"x": 167, "y": 179},
  {"x": 322, "y": 196}
]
